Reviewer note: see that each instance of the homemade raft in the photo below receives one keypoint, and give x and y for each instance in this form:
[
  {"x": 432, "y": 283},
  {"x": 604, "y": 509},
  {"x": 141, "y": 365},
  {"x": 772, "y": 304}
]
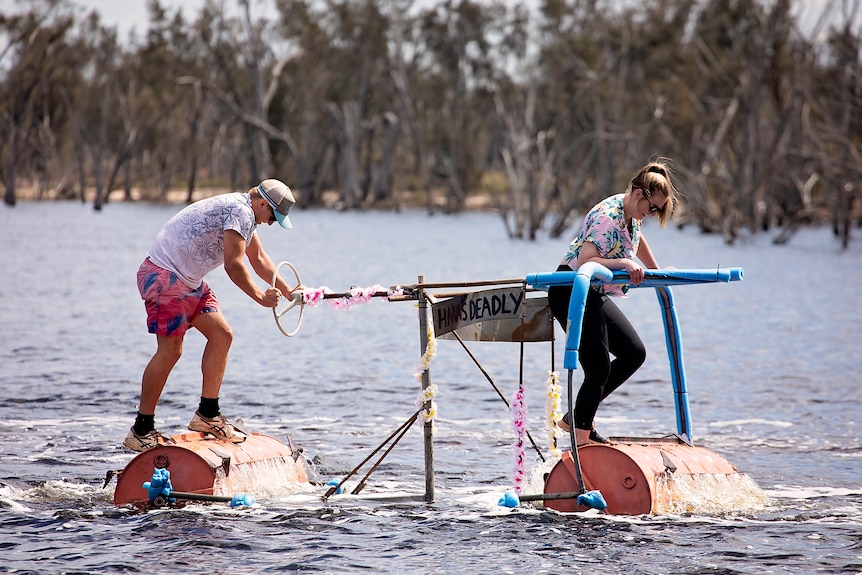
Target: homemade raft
[
  {"x": 211, "y": 469},
  {"x": 634, "y": 475}
]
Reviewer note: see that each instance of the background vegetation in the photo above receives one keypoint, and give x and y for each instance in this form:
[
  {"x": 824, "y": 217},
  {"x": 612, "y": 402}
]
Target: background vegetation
[{"x": 377, "y": 102}]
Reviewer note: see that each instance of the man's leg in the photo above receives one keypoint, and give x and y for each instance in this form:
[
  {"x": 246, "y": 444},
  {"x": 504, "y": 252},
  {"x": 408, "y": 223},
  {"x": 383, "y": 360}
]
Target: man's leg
[
  {"x": 208, "y": 418},
  {"x": 168, "y": 352},
  {"x": 143, "y": 434},
  {"x": 216, "y": 330}
]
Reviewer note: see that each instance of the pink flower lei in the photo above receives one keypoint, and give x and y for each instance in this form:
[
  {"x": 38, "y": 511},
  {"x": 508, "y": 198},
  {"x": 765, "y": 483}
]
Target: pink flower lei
[
  {"x": 356, "y": 295},
  {"x": 519, "y": 423}
]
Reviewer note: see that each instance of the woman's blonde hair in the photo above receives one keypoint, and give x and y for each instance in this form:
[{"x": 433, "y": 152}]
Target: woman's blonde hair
[{"x": 655, "y": 178}]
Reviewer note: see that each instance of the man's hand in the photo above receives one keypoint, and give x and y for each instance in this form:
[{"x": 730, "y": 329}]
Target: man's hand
[
  {"x": 297, "y": 294},
  {"x": 271, "y": 297}
]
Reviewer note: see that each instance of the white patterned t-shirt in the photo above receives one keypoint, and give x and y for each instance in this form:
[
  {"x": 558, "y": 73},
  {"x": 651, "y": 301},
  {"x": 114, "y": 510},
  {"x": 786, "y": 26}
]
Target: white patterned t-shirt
[{"x": 192, "y": 242}]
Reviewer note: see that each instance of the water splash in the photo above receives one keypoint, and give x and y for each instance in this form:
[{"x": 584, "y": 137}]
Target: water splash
[
  {"x": 708, "y": 494},
  {"x": 535, "y": 482},
  {"x": 267, "y": 478}
]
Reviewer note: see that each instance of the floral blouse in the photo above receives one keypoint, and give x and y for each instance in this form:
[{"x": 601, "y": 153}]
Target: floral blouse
[{"x": 605, "y": 226}]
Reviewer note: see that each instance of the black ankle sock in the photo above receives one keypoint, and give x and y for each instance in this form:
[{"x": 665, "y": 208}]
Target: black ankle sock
[
  {"x": 209, "y": 407},
  {"x": 144, "y": 423}
]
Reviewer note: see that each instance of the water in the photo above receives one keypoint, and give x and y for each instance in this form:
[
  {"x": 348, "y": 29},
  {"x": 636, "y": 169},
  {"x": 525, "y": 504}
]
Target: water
[{"x": 772, "y": 365}]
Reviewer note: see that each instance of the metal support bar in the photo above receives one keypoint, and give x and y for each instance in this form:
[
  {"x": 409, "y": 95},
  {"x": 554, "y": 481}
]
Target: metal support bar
[
  {"x": 550, "y": 496},
  {"x": 428, "y": 429}
]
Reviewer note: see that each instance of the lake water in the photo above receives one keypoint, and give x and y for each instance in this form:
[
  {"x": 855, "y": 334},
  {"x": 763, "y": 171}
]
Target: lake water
[{"x": 773, "y": 373}]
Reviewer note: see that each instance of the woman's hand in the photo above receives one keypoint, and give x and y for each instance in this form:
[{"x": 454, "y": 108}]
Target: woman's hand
[{"x": 636, "y": 272}]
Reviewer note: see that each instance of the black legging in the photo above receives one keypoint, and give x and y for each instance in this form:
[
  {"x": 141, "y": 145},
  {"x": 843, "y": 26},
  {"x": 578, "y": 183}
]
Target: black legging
[{"x": 605, "y": 331}]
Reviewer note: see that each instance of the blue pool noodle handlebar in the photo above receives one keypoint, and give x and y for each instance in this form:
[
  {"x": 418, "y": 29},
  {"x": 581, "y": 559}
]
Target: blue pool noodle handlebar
[{"x": 593, "y": 274}]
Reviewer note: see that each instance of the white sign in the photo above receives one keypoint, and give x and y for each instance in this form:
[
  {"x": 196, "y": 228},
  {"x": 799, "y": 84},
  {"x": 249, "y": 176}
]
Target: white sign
[{"x": 494, "y": 315}]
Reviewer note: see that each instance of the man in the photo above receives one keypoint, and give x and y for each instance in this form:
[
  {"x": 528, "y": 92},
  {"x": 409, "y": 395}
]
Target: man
[{"x": 198, "y": 239}]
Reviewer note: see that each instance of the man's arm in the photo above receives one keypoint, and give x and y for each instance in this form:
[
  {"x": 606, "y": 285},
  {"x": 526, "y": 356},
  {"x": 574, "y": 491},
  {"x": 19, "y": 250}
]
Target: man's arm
[
  {"x": 234, "y": 250},
  {"x": 263, "y": 265}
]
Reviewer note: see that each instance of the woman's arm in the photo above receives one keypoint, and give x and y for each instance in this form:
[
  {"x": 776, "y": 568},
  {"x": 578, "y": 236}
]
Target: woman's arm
[
  {"x": 645, "y": 254},
  {"x": 590, "y": 253}
]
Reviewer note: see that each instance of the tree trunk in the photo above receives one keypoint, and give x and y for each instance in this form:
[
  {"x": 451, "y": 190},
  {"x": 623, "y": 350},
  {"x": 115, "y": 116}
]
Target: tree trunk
[
  {"x": 101, "y": 146},
  {"x": 350, "y": 132},
  {"x": 383, "y": 177},
  {"x": 10, "y": 198}
]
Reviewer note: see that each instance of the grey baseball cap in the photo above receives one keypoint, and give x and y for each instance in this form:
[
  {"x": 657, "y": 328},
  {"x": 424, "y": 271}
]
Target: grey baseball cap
[{"x": 280, "y": 198}]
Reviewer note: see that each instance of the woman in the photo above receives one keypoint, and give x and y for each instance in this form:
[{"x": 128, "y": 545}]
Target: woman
[{"x": 611, "y": 236}]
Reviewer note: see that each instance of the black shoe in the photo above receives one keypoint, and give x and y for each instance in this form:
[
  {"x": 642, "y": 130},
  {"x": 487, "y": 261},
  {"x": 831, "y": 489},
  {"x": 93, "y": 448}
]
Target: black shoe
[{"x": 596, "y": 438}]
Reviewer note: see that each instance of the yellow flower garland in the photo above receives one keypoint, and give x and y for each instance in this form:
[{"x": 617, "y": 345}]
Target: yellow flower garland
[{"x": 553, "y": 408}]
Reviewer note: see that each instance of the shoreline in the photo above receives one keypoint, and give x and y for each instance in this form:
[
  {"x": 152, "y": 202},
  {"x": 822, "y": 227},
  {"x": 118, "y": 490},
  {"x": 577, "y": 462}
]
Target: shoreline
[{"x": 331, "y": 199}]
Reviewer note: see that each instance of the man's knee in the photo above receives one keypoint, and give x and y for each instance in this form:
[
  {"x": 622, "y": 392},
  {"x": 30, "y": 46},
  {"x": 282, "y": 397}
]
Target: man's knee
[
  {"x": 227, "y": 336},
  {"x": 222, "y": 335},
  {"x": 170, "y": 348},
  {"x": 214, "y": 327}
]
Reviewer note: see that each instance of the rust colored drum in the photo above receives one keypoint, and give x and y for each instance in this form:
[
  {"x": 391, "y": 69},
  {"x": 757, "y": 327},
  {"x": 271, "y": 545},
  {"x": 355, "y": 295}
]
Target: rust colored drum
[
  {"x": 200, "y": 463},
  {"x": 637, "y": 476}
]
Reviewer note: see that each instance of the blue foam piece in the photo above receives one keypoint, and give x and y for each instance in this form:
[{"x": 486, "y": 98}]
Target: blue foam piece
[
  {"x": 509, "y": 499},
  {"x": 592, "y": 499},
  {"x": 242, "y": 500},
  {"x": 160, "y": 484},
  {"x": 333, "y": 483}
]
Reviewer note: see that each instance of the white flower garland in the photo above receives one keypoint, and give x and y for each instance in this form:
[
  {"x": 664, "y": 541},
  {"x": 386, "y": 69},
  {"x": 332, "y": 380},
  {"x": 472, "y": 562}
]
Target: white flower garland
[
  {"x": 427, "y": 395},
  {"x": 553, "y": 408}
]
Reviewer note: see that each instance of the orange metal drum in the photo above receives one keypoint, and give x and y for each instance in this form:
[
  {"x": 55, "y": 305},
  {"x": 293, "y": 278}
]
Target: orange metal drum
[
  {"x": 200, "y": 463},
  {"x": 634, "y": 475}
]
